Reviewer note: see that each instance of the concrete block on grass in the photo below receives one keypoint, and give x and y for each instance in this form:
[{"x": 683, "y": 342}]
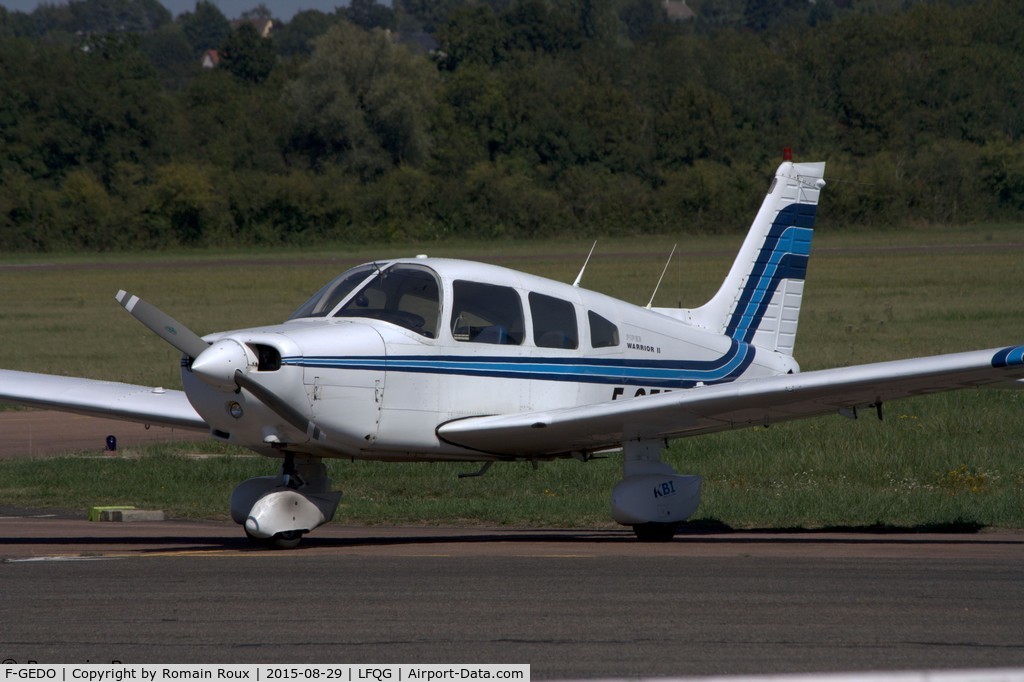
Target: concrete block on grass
[
  {"x": 125, "y": 514},
  {"x": 132, "y": 515},
  {"x": 95, "y": 512}
]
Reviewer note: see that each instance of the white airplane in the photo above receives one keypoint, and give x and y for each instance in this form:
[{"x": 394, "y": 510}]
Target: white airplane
[{"x": 426, "y": 359}]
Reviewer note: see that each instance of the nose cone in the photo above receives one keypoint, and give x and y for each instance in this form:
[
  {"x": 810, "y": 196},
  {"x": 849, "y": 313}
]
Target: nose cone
[
  {"x": 217, "y": 364},
  {"x": 252, "y": 527}
]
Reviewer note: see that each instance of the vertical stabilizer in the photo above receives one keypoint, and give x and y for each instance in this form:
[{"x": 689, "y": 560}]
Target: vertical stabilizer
[{"x": 759, "y": 301}]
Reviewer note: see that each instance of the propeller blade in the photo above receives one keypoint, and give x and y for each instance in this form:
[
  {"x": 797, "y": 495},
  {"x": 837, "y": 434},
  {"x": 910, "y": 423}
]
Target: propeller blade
[
  {"x": 162, "y": 324},
  {"x": 281, "y": 407}
]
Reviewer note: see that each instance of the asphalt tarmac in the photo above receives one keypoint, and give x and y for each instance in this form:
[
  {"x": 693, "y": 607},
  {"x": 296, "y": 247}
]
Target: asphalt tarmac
[{"x": 573, "y": 604}]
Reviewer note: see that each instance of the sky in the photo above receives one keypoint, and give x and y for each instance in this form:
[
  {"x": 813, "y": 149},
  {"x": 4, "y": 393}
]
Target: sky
[{"x": 281, "y": 9}]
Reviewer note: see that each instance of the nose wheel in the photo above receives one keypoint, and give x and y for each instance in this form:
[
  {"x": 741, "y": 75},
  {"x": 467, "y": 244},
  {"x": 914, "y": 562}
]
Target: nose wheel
[{"x": 286, "y": 540}]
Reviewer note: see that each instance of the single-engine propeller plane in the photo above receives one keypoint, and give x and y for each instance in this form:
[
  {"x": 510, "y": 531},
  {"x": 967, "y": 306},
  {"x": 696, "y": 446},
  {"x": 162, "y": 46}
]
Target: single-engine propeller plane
[{"x": 426, "y": 359}]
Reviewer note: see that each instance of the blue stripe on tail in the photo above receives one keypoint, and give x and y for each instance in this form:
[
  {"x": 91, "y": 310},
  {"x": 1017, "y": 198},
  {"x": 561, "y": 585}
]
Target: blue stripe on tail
[
  {"x": 783, "y": 255},
  {"x": 1009, "y": 357}
]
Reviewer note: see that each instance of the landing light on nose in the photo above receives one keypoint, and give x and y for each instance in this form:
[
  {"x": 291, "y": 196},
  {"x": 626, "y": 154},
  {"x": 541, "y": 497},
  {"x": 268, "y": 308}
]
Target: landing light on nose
[{"x": 217, "y": 364}]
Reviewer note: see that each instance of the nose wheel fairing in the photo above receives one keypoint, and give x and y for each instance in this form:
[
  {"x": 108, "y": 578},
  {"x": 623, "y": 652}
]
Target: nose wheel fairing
[{"x": 281, "y": 509}]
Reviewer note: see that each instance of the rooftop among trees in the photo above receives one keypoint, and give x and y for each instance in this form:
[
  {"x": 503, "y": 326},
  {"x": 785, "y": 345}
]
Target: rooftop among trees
[{"x": 496, "y": 118}]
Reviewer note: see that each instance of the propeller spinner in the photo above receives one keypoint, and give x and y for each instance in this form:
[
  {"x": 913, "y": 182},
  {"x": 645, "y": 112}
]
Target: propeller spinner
[{"x": 224, "y": 364}]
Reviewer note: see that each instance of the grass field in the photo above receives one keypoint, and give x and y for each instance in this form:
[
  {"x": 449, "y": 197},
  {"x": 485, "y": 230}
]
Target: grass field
[{"x": 952, "y": 460}]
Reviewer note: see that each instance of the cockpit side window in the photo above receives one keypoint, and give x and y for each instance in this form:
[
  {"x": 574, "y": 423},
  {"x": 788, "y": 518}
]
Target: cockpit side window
[
  {"x": 554, "y": 322},
  {"x": 486, "y": 313},
  {"x": 603, "y": 334},
  {"x": 323, "y": 302},
  {"x": 405, "y": 295}
]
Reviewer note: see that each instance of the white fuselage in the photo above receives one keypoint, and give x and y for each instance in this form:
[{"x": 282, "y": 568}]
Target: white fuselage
[{"x": 411, "y": 344}]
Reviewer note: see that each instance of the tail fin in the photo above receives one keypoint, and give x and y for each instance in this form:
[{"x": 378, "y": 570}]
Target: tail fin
[{"x": 759, "y": 301}]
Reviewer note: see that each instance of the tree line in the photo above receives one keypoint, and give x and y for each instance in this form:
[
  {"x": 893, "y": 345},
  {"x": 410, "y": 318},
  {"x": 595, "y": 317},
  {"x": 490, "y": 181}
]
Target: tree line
[{"x": 505, "y": 118}]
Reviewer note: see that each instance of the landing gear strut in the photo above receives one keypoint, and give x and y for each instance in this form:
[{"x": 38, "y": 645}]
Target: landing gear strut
[{"x": 290, "y": 474}]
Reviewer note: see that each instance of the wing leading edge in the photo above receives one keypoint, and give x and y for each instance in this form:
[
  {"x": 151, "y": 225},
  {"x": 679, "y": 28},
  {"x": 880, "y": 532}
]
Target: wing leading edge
[
  {"x": 706, "y": 409},
  {"x": 109, "y": 399}
]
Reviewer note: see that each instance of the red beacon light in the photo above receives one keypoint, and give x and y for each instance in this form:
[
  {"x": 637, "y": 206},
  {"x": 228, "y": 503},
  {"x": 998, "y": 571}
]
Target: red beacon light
[{"x": 787, "y": 154}]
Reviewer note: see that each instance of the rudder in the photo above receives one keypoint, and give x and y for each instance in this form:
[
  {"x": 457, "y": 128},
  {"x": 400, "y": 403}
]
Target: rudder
[{"x": 759, "y": 301}]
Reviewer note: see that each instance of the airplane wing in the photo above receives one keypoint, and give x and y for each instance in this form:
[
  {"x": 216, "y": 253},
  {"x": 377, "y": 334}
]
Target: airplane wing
[
  {"x": 705, "y": 409},
  {"x": 155, "y": 406}
]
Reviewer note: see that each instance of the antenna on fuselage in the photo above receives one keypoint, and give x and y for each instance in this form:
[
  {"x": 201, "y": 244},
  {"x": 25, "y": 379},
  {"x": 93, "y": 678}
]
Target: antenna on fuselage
[
  {"x": 580, "y": 276},
  {"x": 663, "y": 271}
]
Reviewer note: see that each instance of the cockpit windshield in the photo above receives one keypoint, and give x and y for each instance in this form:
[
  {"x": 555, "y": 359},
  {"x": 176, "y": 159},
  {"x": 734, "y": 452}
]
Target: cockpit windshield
[
  {"x": 323, "y": 302},
  {"x": 402, "y": 294}
]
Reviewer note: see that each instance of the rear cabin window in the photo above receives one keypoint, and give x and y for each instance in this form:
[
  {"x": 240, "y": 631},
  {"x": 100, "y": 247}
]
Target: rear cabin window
[
  {"x": 554, "y": 322},
  {"x": 603, "y": 334},
  {"x": 486, "y": 313}
]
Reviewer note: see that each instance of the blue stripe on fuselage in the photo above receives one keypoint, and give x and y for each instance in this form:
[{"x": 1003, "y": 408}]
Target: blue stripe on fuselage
[{"x": 667, "y": 373}]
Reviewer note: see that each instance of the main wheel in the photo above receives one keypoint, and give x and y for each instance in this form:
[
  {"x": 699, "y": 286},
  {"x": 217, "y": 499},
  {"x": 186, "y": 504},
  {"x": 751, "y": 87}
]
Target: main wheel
[{"x": 655, "y": 532}]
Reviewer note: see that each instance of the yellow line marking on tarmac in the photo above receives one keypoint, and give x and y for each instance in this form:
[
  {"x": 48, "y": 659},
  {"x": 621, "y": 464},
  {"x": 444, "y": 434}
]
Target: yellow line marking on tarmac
[
  {"x": 57, "y": 557},
  {"x": 559, "y": 556},
  {"x": 424, "y": 556},
  {"x": 130, "y": 555},
  {"x": 253, "y": 553},
  {"x": 202, "y": 552}
]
